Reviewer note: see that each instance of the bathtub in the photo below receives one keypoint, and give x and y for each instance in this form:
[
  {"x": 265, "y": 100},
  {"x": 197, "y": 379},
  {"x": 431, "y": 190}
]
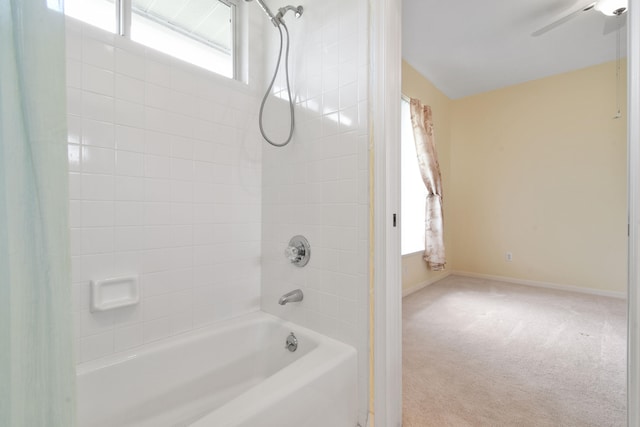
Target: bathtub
[{"x": 237, "y": 373}]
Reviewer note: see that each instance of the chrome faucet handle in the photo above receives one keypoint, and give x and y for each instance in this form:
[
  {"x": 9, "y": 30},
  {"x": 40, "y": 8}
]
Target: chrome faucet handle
[
  {"x": 298, "y": 251},
  {"x": 294, "y": 253}
]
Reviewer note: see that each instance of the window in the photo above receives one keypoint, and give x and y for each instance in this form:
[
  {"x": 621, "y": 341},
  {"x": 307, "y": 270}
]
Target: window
[
  {"x": 99, "y": 13},
  {"x": 413, "y": 193},
  {"x": 201, "y": 32}
]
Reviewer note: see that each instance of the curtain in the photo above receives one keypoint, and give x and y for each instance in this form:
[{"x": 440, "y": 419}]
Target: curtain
[
  {"x": 37, "y": 374},
  {"x": 422, "y": 122}
]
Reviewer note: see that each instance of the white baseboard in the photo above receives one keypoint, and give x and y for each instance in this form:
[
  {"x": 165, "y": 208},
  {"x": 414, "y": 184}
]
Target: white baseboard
[
  {"x": 548, "y": 285},
  {"x": 416, "y": 288}
]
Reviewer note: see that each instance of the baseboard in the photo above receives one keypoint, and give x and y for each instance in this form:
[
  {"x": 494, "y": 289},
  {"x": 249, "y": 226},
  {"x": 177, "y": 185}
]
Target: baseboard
[
  {"x": 422, "y": 285},
  {"x": 547, "y": 285}
]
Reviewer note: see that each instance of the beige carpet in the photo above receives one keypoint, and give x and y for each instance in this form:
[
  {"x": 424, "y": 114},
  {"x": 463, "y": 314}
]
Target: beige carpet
[{"x": 485, "y": 353}]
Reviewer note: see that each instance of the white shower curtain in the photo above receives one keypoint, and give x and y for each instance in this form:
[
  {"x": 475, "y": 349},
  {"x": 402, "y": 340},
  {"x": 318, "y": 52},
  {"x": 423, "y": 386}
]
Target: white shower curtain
[
  {"x": 37, "y": 373},
  {"x": 422, "y": 122}
]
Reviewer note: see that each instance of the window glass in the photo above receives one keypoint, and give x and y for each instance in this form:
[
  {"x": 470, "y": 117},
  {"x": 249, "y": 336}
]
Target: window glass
[
  {"x": 196, "y": 31},
  {"x": 413, "y": 192},
  {"x": 99, "y": 13},
  {"x": 201, "y": 32}
]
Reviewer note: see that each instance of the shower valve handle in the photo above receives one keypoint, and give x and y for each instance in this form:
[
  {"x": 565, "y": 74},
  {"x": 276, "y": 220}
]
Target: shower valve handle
[
  {"x": 294, "y": 253},
  {"x": 298, "y": 251}
]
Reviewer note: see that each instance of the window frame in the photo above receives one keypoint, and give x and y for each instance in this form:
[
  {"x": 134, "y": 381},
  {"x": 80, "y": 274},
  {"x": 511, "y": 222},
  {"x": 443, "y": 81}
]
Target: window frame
[{"x": 124, "y": 11}]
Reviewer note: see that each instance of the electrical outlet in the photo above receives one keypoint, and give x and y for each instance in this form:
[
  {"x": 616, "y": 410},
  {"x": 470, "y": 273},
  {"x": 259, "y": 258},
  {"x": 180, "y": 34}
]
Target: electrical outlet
[{"x": 508, "y": 257}]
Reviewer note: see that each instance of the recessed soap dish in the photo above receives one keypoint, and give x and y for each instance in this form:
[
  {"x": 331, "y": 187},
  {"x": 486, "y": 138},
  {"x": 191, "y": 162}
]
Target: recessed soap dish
[{"x": 113, "y": 293}]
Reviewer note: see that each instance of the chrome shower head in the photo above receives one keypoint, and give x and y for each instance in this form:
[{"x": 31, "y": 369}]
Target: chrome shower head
[
  {"x": 278, "y": 19},
  {"x": 298, "y": 11},
  {"x": 283, "y": 10}
]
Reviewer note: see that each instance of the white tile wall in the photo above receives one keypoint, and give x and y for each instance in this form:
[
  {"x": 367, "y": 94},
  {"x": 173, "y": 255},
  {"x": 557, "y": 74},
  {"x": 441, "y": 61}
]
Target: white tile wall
[
  {"x": 165, "y": 183},
  {"x": 317, "y": 186},
  {"x": 170, "y": 180}
]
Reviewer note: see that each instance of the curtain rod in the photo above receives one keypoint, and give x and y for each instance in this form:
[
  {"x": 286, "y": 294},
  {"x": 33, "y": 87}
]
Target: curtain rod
[{"x": 406, "y": 98}]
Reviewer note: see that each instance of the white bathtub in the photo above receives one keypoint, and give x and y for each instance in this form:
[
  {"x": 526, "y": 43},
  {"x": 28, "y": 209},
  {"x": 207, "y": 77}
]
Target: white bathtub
[{"x": 237, "y": 373}]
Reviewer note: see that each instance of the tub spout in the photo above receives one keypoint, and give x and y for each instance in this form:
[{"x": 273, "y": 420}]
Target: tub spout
[{"x": 293, "y": 296}]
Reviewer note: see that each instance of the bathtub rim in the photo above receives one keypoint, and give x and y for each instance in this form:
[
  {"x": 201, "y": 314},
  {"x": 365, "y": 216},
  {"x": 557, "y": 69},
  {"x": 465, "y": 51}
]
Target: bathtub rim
[{"x": 196, "y": 334}]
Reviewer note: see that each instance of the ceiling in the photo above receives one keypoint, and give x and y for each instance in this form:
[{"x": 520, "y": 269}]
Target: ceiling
[{"x": 465, "y": 47}]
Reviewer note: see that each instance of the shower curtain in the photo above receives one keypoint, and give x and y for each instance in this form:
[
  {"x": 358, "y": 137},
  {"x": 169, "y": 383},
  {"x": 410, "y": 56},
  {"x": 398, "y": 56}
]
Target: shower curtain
[
  {"x": 422, "y": 122},
  {"x": 36, "y": 337}
]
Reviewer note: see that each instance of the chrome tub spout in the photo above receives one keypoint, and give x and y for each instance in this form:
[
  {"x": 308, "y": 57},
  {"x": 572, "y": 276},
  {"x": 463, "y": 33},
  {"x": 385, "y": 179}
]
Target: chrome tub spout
[{"x": 293, "y": 296}]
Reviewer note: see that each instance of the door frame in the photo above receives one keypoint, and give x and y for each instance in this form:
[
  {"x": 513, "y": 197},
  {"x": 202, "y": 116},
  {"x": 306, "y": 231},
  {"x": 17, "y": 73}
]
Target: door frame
[
  {"x": 384, "y": 113},
  {"x": 384, "y": 126},
  {"x": 633, "y": 185}
]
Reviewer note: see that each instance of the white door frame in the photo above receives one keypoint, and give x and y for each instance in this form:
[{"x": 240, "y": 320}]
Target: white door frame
[
  {"x": 633, "y": 124},
  {"x": 384, "y": 104},
  {"x": 385, "y": 92}
]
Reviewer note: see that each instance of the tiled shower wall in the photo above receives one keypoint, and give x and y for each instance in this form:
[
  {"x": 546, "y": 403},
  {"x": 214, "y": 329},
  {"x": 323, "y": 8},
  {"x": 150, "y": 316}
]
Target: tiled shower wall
[
  {"x": 165, "y": 183},
  {"x": 317, "y": 185}
]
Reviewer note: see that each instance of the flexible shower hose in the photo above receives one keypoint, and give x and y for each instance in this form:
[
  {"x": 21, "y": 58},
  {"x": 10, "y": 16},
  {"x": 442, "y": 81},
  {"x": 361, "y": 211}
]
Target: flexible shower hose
[{"x": 275, "y": 73}]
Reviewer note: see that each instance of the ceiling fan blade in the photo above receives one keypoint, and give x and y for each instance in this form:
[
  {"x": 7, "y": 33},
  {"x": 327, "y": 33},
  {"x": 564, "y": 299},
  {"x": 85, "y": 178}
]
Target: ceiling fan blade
[
  {"x": 614, "y": 23},
  {"x": 562, "y": 20}
]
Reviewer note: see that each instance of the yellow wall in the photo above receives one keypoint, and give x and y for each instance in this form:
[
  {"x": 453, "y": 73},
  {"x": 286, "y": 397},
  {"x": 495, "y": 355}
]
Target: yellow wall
[
  {"x": 537, "y": 169},
  {"x": 414, "y": 269}
]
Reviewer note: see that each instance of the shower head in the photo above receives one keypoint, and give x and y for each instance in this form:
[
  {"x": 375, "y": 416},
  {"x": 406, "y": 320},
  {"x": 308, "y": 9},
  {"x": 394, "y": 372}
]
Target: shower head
[
  {"x": 278, "y": 19},
  {"x": 281, "y": 12}
]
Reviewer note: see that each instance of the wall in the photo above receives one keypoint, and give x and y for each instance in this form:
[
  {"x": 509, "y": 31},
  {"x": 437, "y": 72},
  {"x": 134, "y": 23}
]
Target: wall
[
  {"x": 317, "y": 185},
  {"x": 165, "y": 184},
  {"x": 539, "y": 169},
  {"x": 171, "y": 180},
  {"x": 415, "y": 273}
]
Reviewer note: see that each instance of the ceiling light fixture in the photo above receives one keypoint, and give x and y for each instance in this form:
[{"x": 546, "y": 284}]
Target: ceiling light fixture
[{"x": 612, "y": 7}]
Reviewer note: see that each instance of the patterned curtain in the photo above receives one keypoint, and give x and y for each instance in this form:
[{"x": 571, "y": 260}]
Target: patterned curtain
[{"x": 422, "y": 122}]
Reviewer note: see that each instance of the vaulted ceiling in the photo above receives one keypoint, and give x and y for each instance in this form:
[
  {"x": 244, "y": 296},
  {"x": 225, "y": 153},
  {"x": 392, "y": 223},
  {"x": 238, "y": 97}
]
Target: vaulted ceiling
[{"x": 466, "y": 47}]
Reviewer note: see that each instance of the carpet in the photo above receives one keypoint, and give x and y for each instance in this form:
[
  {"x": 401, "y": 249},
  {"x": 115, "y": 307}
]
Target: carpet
[{"x": 485, "y": 353}]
